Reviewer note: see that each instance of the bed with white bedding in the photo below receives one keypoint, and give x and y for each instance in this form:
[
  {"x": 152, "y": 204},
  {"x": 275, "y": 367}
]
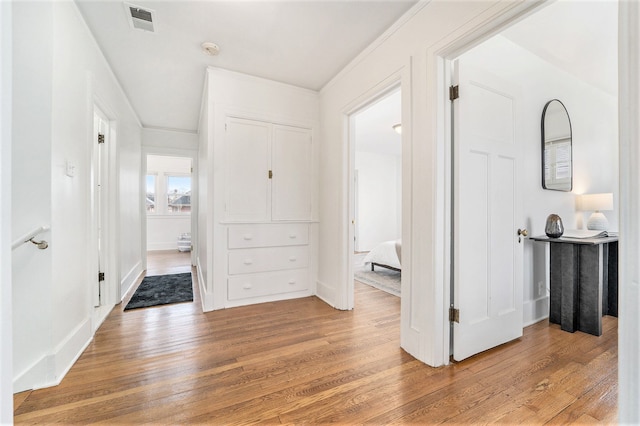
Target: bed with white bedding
[{"x": 387, "y": 255}]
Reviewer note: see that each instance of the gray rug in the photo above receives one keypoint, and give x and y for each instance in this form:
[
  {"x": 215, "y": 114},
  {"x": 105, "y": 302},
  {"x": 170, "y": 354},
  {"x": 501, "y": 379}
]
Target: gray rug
[
  {"x": 162, "y": 290},
  {"x": 383, "y": 279}
]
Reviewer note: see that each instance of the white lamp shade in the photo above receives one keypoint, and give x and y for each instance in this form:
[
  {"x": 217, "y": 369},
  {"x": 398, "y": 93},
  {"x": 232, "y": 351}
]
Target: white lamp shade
[{"x": 596, "y": 202}]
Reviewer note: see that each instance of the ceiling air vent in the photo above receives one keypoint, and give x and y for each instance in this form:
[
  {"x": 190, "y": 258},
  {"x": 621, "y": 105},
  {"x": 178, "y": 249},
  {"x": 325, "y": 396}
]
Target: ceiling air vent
[{"x": 139, "y": 17}]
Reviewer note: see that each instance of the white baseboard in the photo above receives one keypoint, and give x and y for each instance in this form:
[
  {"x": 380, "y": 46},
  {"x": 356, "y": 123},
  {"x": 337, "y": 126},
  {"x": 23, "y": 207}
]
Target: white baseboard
[
  {"x": 534, "y": 311},
  {"x": 51, "y": 369},
  {"x": 34, "y": 377},
  {"x": 267, "y": 299},
  {"x": 130, "y": 279},
  {"x": 324, "y": 293},
  {"x": 166, "y": 245},
  {"x": 205, "y": 297},
  {"x": 69, "y": 350}
]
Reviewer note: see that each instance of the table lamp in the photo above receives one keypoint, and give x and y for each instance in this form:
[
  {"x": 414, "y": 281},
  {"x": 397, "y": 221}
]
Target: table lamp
[{"x": 597, "y": 203}]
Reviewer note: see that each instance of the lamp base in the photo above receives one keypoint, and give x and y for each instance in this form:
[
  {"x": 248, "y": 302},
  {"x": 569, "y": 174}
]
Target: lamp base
[{"x": 598, "y": 222}]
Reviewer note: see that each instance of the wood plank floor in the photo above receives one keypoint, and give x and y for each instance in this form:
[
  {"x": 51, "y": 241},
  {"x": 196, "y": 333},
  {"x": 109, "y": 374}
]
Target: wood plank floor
[{"x": 301, "y": 361}]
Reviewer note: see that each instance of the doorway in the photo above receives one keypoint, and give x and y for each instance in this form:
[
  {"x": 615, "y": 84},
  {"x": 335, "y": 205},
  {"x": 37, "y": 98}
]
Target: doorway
[
  {"x": 546, "y": 65},
  {"x": 168, "y": 206},
  {"x": 104, "y": 276},
  {"x": 376, "y": 198}
]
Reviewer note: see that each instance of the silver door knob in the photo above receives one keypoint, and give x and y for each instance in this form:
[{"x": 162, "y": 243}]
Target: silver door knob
[{"x": 523, "y": 232}]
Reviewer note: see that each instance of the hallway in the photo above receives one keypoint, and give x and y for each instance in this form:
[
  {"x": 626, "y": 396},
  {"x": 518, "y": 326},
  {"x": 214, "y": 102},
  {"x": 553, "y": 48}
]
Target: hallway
[{"x": 302, "y": 361}]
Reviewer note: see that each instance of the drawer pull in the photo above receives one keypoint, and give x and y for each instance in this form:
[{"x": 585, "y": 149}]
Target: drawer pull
[
  {"x": 292, "y": 282},
  {"x": 293, "y": 236},
  {"x": 248, "y": 261},
  {"x": 292, "y": 259},
  {"x": 248, "y": 237},
  {"x": 247, "y": 286}
]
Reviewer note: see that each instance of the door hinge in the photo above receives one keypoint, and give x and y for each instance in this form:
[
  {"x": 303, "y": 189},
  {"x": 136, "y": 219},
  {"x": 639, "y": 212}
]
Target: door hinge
[
  {"x": 100, "y": 138},
  {"x": 453, "y": 93},
  {"x": 454, "y": 315},
  {"x": 100, "y": 276},
  {"x": 270, "y": 174}
]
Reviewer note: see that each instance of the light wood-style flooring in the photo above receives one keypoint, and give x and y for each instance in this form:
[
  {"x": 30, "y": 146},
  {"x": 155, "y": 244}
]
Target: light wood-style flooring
[{"x": 301, "y": 361}]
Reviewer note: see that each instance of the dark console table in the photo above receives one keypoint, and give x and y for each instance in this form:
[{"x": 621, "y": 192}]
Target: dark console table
[{"x": 584, "y": 282}]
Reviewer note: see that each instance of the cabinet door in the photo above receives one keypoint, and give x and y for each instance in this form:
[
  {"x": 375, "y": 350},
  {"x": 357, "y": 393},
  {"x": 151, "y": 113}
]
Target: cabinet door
[
  {"x": 292, "y": 172},
  {"x": 247, "y": 165}
]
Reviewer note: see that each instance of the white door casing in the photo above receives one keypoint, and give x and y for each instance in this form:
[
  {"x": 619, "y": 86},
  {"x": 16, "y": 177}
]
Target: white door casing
[{"x": 488, "y": 252}]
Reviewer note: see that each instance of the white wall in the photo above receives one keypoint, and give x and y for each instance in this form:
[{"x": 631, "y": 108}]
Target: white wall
[
  {"x": 31, "y": 187},
  {"x": 6, "y": 341},
  {"x": 131, "y": 225},
  {"x": 405, "y": 54},
  {"x": 379, "y": 187},
  {"x": 171, "y": 140},
  {"x": 54, "y": 94},
  {"x": 593, "y": 115},
  {"x": 163, "y": 231}
]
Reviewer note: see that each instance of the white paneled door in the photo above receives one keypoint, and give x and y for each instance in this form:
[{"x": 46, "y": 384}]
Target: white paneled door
[
  {"x": 248, "y": 148},
  {"x": 488, "y": 250},
  {"x": 291, "y": 159}
]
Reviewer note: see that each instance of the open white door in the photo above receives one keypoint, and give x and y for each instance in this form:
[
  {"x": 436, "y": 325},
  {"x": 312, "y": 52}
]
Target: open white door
[{"x": 488, "y": 273}]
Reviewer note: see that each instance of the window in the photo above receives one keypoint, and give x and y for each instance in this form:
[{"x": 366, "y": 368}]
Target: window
[
  {"x": 178, "y": 194},
  {"x": 151, "y": 194},
  {"x": 168, "y": 185}
]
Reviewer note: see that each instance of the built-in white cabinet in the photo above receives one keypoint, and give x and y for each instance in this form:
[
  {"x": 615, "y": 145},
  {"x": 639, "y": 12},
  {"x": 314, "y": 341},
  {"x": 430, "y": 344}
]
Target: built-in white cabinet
[
  {"x": 268, "y": 172},
  {"x": 267, "y": 260},
  {"x": 268, "y": 209},
  {"x": 258, "y": 161}
]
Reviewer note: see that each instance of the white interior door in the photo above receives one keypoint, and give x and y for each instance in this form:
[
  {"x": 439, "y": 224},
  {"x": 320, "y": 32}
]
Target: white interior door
[
  {"x": 101, "y": 136},
  {"x": 488, "y": 273}
]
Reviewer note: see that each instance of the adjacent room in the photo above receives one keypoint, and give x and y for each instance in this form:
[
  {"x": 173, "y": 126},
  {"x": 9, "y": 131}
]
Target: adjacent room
[{"x": 378, "y": 193}]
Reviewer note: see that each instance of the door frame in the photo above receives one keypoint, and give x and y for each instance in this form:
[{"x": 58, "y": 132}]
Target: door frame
[
  {"x": 439, "y": 59},
  {"x": 110, "y": 218},
  {"x": 393, "y": 83},
  {"x": 169, "y": 152},
  {"x": 373, "y": 96}
]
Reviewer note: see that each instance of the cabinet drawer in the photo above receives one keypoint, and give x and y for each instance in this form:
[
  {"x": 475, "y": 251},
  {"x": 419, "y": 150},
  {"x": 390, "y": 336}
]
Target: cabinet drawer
[
  {"x": 246, "y": 236},
  {"x": 255, "y": 285},
  {"x": 246, "y": 261}
]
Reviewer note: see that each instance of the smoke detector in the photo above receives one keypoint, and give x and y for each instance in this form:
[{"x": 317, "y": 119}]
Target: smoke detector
[
  {"x": 139, "y": 17},
  {"x": 210, "y": 49}
]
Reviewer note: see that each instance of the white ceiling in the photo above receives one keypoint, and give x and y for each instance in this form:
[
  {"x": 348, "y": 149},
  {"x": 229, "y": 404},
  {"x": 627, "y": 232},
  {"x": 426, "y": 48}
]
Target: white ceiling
[
  {"x": 577, "y": 36},
  {"x": 306, "y": 43},
  {"x": 300, "y": 42}
]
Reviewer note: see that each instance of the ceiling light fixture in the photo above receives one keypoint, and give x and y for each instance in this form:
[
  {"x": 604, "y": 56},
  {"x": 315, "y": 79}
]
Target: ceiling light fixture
[
  {"x": 398, "y": 128},
  {"x": 210, "y": 49}
]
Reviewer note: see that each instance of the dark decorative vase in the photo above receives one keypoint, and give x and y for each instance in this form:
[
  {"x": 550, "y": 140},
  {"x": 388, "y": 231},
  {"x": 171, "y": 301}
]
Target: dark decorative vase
[{"x": 554, "y": 227}]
